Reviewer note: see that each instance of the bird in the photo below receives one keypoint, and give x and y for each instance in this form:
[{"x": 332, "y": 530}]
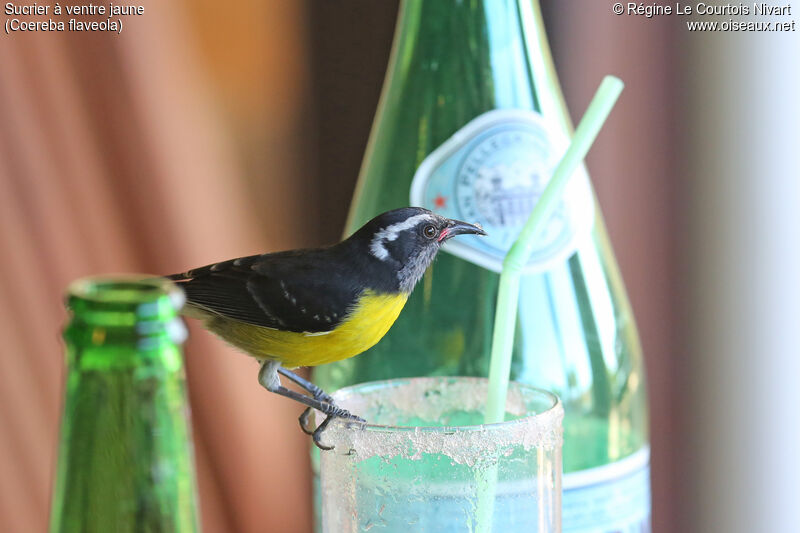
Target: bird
[{"x": 308, "y": 307}]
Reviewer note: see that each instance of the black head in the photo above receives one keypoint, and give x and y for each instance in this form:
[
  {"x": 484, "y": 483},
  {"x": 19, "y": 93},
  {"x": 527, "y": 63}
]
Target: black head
[{"x": 407, "y": 240}]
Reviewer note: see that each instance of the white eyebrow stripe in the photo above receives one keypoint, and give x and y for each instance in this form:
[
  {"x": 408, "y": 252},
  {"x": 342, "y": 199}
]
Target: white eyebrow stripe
[{"x": 391, "y": 233}]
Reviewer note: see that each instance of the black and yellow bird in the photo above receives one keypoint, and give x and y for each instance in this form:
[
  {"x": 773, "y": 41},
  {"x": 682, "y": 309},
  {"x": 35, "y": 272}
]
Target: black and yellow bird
[{"x": 310, "y": 307}]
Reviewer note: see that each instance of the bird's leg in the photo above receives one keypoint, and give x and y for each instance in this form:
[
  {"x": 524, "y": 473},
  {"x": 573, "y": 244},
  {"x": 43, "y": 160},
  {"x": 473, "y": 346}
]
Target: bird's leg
[
  {"x": 315, "y": 391},
  {"x": 269, "y": 379}
]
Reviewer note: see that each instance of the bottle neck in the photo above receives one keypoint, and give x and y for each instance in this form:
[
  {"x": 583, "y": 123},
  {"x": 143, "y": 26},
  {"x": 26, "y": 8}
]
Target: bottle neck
[
  {"x": 123, "y": 321},
  {"x": 125, "y": 457},
  {"x": 472, "y": 21},
  {"x": 481, "y": 53}
]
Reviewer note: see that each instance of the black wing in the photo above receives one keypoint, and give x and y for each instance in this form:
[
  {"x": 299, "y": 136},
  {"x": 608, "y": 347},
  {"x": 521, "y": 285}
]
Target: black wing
[{"x": 303, "y": 290}]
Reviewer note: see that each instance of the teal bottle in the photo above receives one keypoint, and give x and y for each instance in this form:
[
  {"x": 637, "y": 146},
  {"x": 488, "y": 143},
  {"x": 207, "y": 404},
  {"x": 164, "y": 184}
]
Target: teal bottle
[
  {"x": 471, "y": 124},
  {"x": 125, "y": 460}
]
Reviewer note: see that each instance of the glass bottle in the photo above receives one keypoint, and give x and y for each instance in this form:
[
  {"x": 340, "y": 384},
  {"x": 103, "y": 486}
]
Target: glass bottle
[
  {"x": 471, "y": 124},
  {"x": 125, "y": 461}
]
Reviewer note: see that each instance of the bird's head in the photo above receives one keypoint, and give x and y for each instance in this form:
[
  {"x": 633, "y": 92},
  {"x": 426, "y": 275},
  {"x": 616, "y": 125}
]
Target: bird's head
[{"x": 406, "y": 240}]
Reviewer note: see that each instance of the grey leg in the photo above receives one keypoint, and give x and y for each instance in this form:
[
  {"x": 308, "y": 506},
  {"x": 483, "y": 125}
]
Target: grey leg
[
  {"x": 315, "y": 391},
  {"x": 268, "y": 377}
]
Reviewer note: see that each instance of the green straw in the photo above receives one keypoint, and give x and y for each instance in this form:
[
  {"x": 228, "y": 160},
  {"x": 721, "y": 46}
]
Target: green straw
[
  {"x": 519, "y": 254},
  {"x": 508, "y": 296}
]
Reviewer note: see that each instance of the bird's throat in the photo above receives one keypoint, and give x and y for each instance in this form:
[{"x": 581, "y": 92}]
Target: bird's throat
[{"x": 415, "y": 268}]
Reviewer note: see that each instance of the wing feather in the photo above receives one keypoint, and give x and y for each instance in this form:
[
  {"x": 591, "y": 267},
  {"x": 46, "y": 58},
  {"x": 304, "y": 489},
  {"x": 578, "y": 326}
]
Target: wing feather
[{"x": 301, "y": 291}]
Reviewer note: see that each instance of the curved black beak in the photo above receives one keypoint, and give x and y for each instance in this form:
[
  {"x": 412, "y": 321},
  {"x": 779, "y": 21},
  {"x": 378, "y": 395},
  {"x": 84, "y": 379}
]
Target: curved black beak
[{"x": 457, "y": 227}]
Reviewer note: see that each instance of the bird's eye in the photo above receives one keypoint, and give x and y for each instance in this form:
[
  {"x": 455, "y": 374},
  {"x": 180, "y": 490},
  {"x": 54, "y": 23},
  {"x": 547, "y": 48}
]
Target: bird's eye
[{"x": 429, "y": 231}]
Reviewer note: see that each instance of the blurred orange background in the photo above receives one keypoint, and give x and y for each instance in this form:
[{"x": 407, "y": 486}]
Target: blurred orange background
[{"x": 210, "y": 130}]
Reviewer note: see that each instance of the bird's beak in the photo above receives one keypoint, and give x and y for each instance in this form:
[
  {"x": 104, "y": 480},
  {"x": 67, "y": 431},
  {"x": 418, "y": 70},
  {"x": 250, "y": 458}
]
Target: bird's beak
[{"x": 456, "y": 227}]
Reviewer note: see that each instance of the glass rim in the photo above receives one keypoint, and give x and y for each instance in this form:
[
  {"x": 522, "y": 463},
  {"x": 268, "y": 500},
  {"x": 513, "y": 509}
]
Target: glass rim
[
  {"x": 136, "y": 305},
  {"x": 124, "y": 288},
  {"x": 553, "y": 413}
]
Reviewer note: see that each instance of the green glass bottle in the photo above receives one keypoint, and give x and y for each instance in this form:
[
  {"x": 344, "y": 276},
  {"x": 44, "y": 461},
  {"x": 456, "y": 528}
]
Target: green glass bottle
[
  {"x": 125, "y": 457},
  {"x": 471, "y": 124}
]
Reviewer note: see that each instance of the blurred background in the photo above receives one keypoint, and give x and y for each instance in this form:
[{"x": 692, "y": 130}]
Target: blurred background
[{"x": 206, "y": 131}]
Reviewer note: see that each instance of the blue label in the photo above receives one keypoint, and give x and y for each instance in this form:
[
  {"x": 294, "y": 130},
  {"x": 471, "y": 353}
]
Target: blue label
[
  {"x": 611, "y": 499},
  {"x": 493, "y": 171}
]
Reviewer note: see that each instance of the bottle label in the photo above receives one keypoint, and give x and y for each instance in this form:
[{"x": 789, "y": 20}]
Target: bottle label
[
  {"x": 613, "y": 498},
  {"x": 493, "y": 171}
]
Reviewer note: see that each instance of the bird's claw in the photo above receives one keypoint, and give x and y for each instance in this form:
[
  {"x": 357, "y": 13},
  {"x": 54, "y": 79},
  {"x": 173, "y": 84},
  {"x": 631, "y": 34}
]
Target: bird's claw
[
  {"x": 304, "y": 423},
  {"x": 321, "y": 396},
  {"x": 316, "y": 434}
]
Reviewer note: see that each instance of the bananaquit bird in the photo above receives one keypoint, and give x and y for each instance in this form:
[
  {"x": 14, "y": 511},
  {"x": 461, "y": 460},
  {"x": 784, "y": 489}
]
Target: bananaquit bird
[{"x": 310, "y": 307}]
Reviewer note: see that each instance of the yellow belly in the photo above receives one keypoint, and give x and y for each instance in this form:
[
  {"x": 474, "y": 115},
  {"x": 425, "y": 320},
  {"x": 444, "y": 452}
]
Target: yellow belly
[{"x": 362, "y": 329}]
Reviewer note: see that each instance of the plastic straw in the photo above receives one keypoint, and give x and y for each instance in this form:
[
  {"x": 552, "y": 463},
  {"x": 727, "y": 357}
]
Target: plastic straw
[{"x": 508, "y": 296}]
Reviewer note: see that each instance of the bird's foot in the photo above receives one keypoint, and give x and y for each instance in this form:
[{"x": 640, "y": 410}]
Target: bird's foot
[
  {"x": 316, "y": 392},
  {"x": 332, "y": 412},
  {"x": 318, "y": 399},
  {"x": 305, "y": 424},
  {"x": 322, "y": 396},
  {"x": 316, "y": 436}
]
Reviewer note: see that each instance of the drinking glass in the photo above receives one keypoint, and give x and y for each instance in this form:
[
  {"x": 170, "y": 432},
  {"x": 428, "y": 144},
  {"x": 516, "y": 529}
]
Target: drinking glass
[{"x": 425, "y": 462}]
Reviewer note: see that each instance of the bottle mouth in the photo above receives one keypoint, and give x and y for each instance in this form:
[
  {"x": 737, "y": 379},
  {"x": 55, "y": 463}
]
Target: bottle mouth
[{"x": 124, "y": 300}]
